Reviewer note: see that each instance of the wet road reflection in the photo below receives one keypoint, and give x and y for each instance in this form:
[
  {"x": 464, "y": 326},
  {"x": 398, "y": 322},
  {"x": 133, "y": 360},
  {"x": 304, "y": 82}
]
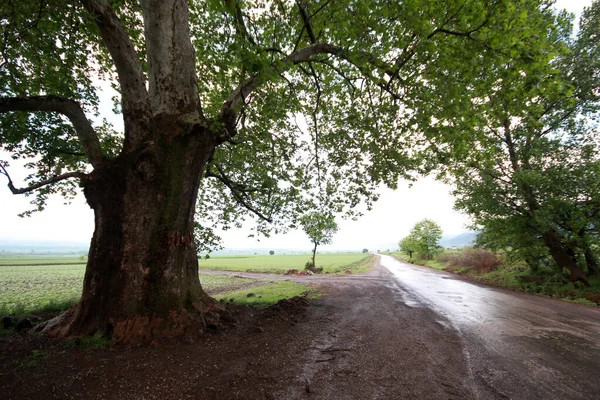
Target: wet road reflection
[{"x": 518, "y": 346}]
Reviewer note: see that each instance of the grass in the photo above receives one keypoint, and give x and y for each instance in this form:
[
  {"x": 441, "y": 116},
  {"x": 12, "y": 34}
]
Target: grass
[
  {"x": 271, "y": 293},
  {"x": 14, "y": 260},
  {"x": 426, "y": 263},
  {"x": 28, "y": 289},
  {"x": 35, "y": 357},
  {"x": 276, "y": 264},
  {"x": 214, "y": 284},
  {"x": 44, "y": 287}
]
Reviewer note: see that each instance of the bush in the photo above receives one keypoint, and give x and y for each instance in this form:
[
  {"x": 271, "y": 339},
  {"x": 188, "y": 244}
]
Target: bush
[
  {"x": 309, "y": 266},
  {"x": 445, "y": 257},
  {"x": 481, "y": 260}
]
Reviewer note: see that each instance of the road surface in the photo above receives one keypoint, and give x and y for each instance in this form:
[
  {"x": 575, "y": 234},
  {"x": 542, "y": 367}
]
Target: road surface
[
  {"x": 517, "y": 346},
  {"x": 395, "y": 332}
]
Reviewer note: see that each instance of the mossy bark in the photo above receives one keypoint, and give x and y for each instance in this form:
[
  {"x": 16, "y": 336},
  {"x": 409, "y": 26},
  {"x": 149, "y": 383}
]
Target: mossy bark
[{"x": 141, "y": 281}]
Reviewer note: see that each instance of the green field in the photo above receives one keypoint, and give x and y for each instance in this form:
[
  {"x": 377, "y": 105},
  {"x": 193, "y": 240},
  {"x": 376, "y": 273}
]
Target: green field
[
  {"x": 37, "y": 284},
  {"x": 41, "y": 260},
  {"x": 27, "y": 289},
  {"x": 276, "y": 264},
  {"x": 39, "y": 288}
]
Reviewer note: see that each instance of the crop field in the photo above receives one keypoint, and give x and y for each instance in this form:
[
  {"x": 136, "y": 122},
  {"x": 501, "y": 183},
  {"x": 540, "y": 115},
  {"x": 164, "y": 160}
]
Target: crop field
[
  {"x": 50, "y": 287},
  {"x": 40, "y": 260},
  {"x": 331, "y": 263},
  {"x": 39, "y": 288}
]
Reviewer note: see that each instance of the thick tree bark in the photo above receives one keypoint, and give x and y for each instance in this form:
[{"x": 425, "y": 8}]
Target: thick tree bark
[
  {"x": 562, "y": 257},
  {"x": 141, "y": 281}
]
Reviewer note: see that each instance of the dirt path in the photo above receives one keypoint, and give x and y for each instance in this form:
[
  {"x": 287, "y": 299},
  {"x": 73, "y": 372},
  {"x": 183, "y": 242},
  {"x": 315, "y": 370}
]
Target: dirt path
[{"x": 359, "y": 342}]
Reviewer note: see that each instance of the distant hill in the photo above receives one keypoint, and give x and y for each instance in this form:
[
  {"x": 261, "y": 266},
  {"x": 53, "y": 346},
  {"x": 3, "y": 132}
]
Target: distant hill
[
  {"x": 42, "y": 247},
  {"x": 462, "y": 240}
]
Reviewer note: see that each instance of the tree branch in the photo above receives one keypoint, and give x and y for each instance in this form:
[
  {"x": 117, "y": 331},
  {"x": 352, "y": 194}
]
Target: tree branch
[
  {"x": 40, "y": 184},
  {"x": 235, "y": 190},
  {"x": 306, "y": 21},
  {"x": 69, "y": 108},
  {"x": 239, "y": 19},
  {"x": 127, "y": 62}
]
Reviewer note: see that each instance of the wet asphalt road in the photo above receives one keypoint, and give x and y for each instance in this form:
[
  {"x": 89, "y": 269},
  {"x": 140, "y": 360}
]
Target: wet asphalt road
[{"x": 517, "y": 346}]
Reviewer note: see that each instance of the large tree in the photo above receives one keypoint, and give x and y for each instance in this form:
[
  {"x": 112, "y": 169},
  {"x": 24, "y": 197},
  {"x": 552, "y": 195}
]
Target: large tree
[
  {"x": 272, "y": 101},
  {"x": 528, "y": 173}
]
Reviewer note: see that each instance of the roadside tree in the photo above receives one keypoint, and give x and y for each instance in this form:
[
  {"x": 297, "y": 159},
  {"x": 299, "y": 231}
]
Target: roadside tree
[
  {"x": 425, "y": 236},
  {"x": 408, "y": 245},
  {"x": 211, "y": 94},
  {"x": 528, "y": 174}
]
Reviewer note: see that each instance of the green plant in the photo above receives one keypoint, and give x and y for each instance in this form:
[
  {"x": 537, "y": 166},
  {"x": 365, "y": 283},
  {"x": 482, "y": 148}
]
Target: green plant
[
  {"x": 96, "y": 341},
  {"x": 35, "y": 357}
]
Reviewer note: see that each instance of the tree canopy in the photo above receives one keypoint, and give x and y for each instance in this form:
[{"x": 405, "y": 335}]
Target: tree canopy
[
  {"x": 320, "y": 228},
  {"x": 409, "y": 245},
  {"x": 308, "y": 100},
  {"x": 231, "y": 109},
  {"x": 528, "y": 172},
  {"x": 424, "y": 239}
]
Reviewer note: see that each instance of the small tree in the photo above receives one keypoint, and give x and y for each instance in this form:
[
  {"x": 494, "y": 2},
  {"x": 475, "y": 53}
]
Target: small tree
[
  {"x": 271, "y": 252},
  {"x": 408, "y": 245},
  {"x": 365, "y": 250},
  {"x": 320, "y": 228},
  {"x": 426, "y": 235}
]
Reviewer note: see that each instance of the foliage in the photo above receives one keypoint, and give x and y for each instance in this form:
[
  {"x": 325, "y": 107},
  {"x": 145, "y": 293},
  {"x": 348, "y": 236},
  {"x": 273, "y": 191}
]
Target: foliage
[
  {"x": 481, "y": 260},
  {"x": 329, "y": 107},
  {"x": 271, "y": 252},
  {"x": 408, "y": 245},
  {"x": 423, "y": 239},
  {"x": 528, "y": 172},
  {"x": 365, "y": 250},
  {"x": 320, "y": 228}
]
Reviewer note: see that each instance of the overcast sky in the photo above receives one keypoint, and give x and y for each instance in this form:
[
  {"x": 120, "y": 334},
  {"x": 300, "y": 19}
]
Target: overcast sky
[{"x": 390, "y": 220}]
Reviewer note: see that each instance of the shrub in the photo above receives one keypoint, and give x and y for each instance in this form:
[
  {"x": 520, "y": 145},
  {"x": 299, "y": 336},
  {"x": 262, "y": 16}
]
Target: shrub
[
  {"x": 481, "y": 260},
  {"x": 445, "y": 257},
  {"x": 309, "y": 266}
]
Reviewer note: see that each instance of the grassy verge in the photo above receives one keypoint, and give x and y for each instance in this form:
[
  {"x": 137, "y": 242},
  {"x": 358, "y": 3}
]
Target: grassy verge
[
  {"x": 267, "y": 294},
  {"x": 331, "y": 263},
  {"x": 417, "y": 261},
  {"x": 520, "y": 278}
]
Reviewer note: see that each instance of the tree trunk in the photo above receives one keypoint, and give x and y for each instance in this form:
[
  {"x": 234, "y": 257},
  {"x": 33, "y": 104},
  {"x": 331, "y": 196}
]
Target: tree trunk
[
  {"x": 562, "y": 258},
  {"x": 590, "y": 260},
  {"x": 314, "y": 255},
  {"x": 141, "y": 281}
]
